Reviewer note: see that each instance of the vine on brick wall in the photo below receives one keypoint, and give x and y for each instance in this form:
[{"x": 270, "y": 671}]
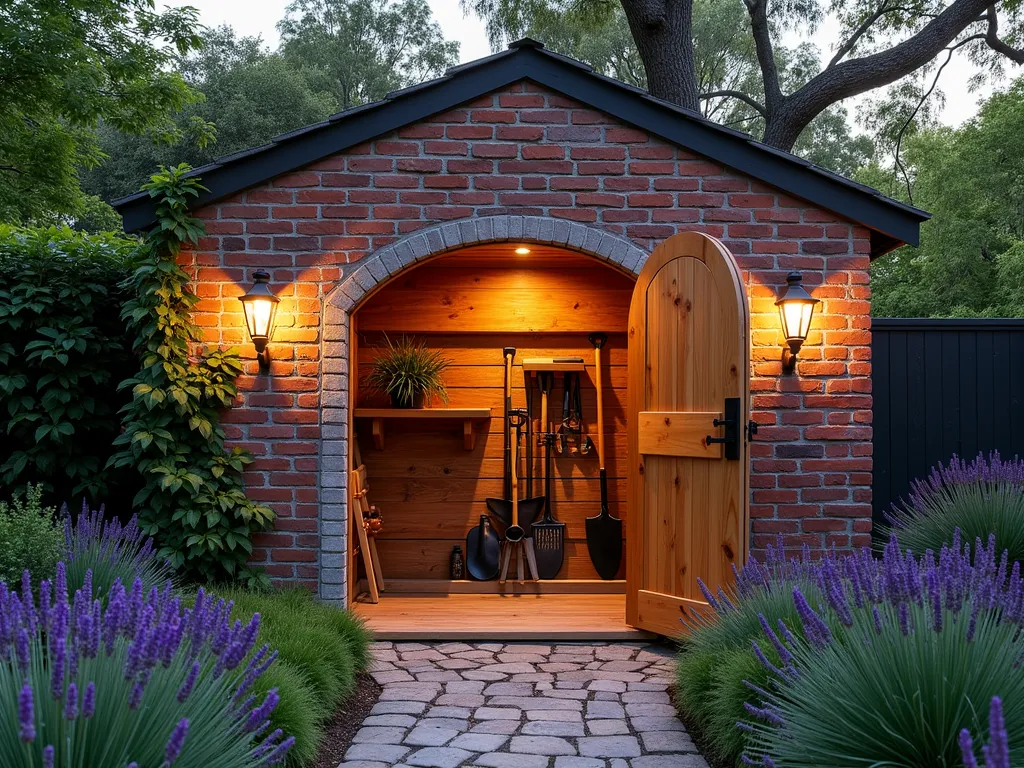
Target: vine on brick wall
[{"x": 193, "y": 502}]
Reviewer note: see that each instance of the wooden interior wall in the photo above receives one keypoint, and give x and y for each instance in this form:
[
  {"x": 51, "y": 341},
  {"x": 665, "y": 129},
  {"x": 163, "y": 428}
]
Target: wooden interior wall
[{"x": 470, "y": 305}]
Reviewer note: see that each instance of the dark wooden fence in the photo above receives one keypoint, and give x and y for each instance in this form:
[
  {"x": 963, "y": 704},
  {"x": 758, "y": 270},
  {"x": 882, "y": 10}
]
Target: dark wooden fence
[{"x": 942, "y": 387}]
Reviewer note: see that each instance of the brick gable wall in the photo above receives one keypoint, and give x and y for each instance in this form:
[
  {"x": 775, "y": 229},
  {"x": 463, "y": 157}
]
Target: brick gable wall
[{"x": 526, "y": 151}]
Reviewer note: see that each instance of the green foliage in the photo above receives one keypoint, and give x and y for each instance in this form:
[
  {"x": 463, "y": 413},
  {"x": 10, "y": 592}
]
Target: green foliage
[
  {"x": 971, "y": 259},
  {"x": 321, "y": 649},
  {"x": 363, "y": 49},
  {"x": 62, "y": 350},
  {"x": 407, "y": 370},
  {"x": 727, "y": 700},
  {"x": 298, "y": 713},
  {"x": 193, "y": 502},
  {"x": 889, "y": 698},
  {"x": 250, "y": 94},
  {"x": 110, "y": 552},
  {"x": 30, "y": 538},
  {"x": 63, "y": 68}
]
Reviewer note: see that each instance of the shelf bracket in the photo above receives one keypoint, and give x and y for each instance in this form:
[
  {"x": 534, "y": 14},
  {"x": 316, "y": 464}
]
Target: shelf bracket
[
  {"x": 468, "y": 435},
  {"x": 378, "y": 434}
]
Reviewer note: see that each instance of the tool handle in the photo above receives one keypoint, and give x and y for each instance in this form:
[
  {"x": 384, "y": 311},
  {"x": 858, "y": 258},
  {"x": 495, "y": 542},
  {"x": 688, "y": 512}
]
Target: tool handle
[
  {"x": 515, "y": 481},
  {"x": 543, "y": 410},
  {"x": 600, "y": 403}
]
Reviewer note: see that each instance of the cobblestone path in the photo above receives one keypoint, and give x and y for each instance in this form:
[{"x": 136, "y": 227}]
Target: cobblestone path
[{"x": 517, "y": 705}]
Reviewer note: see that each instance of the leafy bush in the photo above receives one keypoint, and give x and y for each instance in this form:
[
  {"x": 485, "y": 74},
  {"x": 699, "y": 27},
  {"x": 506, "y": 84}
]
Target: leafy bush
[
  {"x": 320, "y": 648},
  {"x": 109, "y": 551},
  {"x": 193, "y": 502},
  {"x": 716, "y": 652},
  {"x": 408, "y": 372},
  {"x": 978, "y": 498},
  {"x": 62, "y": 352},
  {"x": 140, "y": 681},
  {"x": 929, "y": 643},
  {"x": 29, "y": 536}
]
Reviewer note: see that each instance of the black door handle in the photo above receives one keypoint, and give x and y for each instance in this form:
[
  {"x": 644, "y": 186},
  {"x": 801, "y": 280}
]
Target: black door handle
[{"x": 731, "y": 440}]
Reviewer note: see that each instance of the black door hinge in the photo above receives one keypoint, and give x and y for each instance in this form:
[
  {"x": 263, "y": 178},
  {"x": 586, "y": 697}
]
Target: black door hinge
[{"x": 731, "y": 440}]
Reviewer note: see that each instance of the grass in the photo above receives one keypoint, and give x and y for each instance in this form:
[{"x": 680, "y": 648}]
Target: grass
[{"x": 321, "y": 650}]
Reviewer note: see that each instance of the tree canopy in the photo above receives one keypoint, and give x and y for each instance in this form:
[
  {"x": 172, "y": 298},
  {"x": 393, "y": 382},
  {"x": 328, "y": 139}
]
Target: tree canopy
[
  {"x": 881, "y": 42},
  {"x": 66, "y": 66},
  {"x": 971, "y": 259}
]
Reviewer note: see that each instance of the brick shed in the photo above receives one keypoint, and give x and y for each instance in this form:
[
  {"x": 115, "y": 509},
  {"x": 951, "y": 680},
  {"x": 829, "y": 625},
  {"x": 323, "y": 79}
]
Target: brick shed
[{"x": 404, "y": 217}]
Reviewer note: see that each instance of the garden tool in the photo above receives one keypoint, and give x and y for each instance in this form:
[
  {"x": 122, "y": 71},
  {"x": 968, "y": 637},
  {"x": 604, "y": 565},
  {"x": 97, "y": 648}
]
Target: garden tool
[
  {"x": 604, "y": 532},
  {"x": 501, "y": 508},
  {"x": 529, "y": 509},
  {"x": 548, "y": 534},
  {"x": 571, "y": 440},
  {"x": 516, "y": 543},
  {"x": 483, "y": 551}
]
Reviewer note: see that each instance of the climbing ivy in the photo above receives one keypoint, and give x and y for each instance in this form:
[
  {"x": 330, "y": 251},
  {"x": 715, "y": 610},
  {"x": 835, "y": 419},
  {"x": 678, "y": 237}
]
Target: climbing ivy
[{"x": 193, "y": 502}]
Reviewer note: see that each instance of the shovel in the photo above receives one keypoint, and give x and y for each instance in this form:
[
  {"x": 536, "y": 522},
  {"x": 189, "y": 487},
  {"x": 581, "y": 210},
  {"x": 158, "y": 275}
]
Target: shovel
[
  {"x": 604, "y": 532},
  {"x": 516, "y": 541},
  {"x": 548, "y": 534},
  {"x": 483, "y": 551},
  {"x": 501, "y": 508}
]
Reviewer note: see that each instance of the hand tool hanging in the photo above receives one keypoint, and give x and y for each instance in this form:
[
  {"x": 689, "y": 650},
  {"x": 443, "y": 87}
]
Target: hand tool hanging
[
  {"x": 502, "y": 508},
  {"x": 548, "y": 534},
  {"x": 571, "y": 440},
  {"x": 517, "y": 543},
  {"x": 604, "y": 532}
]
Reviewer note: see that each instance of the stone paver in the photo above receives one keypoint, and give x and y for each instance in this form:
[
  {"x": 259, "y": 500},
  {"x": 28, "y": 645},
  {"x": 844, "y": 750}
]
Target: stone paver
[{"x": 518, "y": 705}]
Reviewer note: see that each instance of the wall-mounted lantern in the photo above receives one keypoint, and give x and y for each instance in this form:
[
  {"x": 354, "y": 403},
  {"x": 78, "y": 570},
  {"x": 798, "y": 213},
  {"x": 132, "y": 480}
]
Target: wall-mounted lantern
[
  {"x": 260, "y": 306},
  {"x": 796, "y": 308}
]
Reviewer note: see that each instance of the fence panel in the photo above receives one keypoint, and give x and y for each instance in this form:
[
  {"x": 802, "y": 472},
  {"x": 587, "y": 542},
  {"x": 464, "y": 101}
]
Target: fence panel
[{"x": 942, "y": 387}]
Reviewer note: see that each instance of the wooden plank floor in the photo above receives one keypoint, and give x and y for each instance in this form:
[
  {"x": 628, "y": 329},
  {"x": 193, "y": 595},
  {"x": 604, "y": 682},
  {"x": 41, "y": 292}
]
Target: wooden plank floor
[{"x": 499, "y": 617}]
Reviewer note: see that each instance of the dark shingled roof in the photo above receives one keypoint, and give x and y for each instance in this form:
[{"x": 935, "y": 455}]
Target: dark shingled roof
[{"x": 891, "y": 222}]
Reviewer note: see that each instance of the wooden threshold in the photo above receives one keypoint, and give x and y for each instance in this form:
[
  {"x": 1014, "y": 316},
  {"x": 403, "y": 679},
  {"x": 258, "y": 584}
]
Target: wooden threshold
[{"x": 499, "y": 617}]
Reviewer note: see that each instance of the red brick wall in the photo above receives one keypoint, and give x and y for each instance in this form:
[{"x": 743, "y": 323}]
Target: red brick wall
[{"x": 527, "y": 151}]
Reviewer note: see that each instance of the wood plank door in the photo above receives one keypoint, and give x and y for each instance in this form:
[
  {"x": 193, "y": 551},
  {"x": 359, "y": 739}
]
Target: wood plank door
[{"x": 688, "y": 373}]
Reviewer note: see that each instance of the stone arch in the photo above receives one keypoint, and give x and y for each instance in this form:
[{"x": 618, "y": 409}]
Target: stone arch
[{"x": 357, "y": 284}]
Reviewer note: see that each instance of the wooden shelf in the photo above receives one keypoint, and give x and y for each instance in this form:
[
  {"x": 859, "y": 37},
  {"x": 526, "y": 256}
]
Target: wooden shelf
[
  {"x": 533, "y": 365},
  {"x": 468, "y": 416}
]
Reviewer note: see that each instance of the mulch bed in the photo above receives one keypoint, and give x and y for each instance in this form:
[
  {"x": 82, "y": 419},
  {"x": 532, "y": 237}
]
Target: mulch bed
[
  {"x": 346, "y": 721},
  {"x": 700, "y": 739}
]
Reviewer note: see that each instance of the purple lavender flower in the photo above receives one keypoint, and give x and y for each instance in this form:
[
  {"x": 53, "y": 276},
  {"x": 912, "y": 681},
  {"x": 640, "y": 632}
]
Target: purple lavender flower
[
  {"x": 26, "y": 715},
  {"x": 997, "y": 751},
  {"x": 186, "y": 687},
  {"x": 71, "y": 703},
  {"x": 48, "y": 757},
  {"x": 176, "y": 742},
  {"x": 815, "y": 629},
  {"x": 89, "y": 700},
  {"x": 281, "y": 751}
]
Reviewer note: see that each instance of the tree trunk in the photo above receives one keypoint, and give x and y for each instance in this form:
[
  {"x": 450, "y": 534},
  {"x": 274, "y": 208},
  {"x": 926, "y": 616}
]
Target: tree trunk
[{"x": 663, "y": 32}]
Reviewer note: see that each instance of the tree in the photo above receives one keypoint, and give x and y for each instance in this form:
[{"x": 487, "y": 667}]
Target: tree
[
  {"x": 63, "y": 68},
  {"x": 971, "y": 258},
  {"x": 250, "y": 96},
  {"x": 366, "y": 48},
  {"x": 725, "y": 64},
  {"x": 882, "y": 41}
]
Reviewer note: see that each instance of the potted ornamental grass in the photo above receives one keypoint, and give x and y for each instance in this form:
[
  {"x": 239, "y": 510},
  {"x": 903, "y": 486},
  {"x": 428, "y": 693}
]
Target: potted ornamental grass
[{"x": 409, "y": 373}]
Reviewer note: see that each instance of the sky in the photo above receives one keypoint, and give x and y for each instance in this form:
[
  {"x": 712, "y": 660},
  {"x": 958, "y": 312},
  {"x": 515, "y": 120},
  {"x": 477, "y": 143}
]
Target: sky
[{"x": 259, "y": 17}]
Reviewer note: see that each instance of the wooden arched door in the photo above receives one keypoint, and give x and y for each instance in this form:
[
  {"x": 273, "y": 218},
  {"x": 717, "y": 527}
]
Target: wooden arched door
[{"x": 688, "y": 381}]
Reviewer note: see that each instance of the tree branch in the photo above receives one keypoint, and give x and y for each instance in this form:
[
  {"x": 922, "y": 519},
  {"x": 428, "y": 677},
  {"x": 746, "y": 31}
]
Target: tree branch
[
  {"x": 761, "y": 32},
  {"x": 993, "y": 41},
  {"x": 854, "y": 76},
  {"x": 730, "y": 94}
]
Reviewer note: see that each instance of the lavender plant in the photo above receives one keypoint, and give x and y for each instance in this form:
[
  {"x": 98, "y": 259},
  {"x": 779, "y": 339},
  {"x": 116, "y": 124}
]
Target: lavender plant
[
  {"x": 926, "y": 645},
  {"x": 139, "y": 682},
  {"x": 110, "y": 551},
  {"x": 979, "y": 497},
  {"x": 997, "y": 752}
]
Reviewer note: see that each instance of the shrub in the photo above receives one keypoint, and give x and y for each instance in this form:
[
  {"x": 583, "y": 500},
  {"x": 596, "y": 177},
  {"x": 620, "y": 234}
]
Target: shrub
[
  {"x": 978, "y": 498},
  {"x": 109, "y": 552},
  {"x": 717, "y": 648},
  {"x": 321, "y": 648},
  {"x": 929, "y": 643},
  {"x": 140, "y": 681},
  {"x": 63, "y": 350},
  {"x": 29, "y": 536},
  {"x": 298, "y": 712}
]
